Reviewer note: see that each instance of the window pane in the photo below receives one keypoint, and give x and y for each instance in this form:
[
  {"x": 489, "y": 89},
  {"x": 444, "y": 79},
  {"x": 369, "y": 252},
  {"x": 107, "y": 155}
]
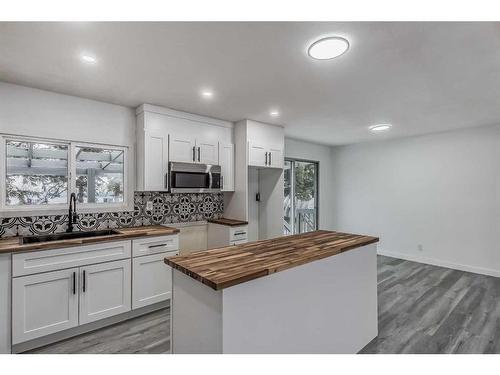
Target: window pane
[
  {"x": 37, "y": 173},
  {"x": 305, "y": 196},
  {"x": 288, "y": 210},
  {"x": 99, "y": 174}
]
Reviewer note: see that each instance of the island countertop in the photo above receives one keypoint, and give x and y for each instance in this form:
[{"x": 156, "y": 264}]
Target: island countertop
[
  {"x": 228, "y": 266},
  {"x": 11, "y": 244}
]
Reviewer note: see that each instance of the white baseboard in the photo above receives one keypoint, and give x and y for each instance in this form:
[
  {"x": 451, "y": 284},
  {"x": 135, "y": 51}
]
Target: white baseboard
[{"x": 441, "y": 263}]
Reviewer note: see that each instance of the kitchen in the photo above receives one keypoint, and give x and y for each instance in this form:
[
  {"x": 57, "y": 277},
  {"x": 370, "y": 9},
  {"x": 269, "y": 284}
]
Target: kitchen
[{"x": 153, "y": 205}]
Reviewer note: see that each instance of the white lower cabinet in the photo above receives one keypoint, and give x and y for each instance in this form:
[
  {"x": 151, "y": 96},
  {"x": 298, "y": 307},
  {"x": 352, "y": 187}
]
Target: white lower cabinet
[
  {"x": 43, "y": 304},
  {"x": 46, "y": 300},
  {"x": 151, "y": 279},
  {"x": 105, "y": 290}
]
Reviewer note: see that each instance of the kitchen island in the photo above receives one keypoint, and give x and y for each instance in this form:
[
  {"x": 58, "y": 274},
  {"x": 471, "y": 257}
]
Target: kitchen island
[{"x": 307, "y": 293}]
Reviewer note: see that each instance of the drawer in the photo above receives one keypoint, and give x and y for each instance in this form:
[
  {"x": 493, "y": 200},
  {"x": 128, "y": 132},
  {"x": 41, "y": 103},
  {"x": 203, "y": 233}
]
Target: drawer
[
  {"x": 58, "y": 259},
  {"x": 238, "y": 233},
  {"x": 155, "y": 245}
]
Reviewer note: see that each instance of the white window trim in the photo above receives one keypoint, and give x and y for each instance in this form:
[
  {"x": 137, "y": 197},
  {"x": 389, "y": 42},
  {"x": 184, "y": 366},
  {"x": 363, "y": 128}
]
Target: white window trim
[{"x": 59, "y": 209}]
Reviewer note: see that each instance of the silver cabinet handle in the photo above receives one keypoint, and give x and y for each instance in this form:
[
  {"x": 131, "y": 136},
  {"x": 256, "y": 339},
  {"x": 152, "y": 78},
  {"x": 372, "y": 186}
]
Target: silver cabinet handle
[
  {"x": 239, "y": 233},
  {"x": 74, "y": 282}
]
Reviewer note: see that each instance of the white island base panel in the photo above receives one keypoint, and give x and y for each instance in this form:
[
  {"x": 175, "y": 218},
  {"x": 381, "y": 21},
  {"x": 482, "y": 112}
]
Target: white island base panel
[{"x": 326, "y": 306}]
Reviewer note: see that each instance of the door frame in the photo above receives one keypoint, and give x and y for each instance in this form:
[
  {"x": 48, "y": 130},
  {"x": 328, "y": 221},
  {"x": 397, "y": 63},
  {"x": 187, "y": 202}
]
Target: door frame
[{"x": 292, "y": 176}]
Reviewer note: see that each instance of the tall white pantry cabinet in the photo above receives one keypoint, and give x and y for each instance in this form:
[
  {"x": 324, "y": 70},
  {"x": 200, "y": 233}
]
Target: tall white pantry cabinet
[{"x": 164, "y": 135}]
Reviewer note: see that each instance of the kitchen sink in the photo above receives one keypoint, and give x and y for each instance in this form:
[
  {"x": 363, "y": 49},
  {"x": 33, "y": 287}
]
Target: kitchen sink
[{"x": 66, "y": 236}]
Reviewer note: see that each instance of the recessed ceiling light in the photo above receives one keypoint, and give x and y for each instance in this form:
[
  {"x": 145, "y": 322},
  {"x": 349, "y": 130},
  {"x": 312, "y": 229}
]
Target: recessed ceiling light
[
  {"x": 328, "y": 48},
  {"x": 380, "y": 127},
  {"x": 89, "y": 59},
  {"x": 207, "y": 94},
  {"x": 274, "y": 113}
]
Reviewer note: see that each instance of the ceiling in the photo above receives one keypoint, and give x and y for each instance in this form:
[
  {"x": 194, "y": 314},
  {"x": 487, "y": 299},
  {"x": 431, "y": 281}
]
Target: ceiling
[{"x": 420, "y": 77}]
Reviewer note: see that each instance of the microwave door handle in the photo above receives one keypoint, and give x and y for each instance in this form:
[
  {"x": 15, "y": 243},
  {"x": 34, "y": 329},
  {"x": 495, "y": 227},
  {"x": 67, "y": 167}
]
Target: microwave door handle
[{"x": 210, "y": 186}]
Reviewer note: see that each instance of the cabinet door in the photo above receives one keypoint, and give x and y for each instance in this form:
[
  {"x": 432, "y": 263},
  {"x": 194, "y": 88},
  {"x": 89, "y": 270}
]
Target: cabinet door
[
  {"x": 105, "y": 290},
  {"x": 182, "y": 148},
  {"x": 226, "y": 161},
  {"x": 275, "y": 158},
  {"x": 257, "y": 155},
  {"x": 152, "y": 279},
  {"x": 156, "y": 161},
  {"x": 207, "y": 152},
  {"x": 43, "y": 304}
]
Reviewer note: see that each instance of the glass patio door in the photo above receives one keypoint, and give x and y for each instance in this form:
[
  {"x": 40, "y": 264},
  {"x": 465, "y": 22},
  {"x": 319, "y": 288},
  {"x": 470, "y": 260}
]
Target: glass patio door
[{"x": 301, "y": 196}]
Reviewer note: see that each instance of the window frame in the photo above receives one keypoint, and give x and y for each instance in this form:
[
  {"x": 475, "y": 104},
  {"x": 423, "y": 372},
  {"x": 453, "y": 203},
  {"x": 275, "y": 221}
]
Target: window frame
[
  {"x": 59, "y": 208},
  {"x": 316, "y": 182}
]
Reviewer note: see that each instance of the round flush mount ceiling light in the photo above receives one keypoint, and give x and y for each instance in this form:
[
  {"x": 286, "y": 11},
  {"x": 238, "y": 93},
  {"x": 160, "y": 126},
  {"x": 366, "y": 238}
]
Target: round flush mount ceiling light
[
  {"x": 274, "y": 113},
  {"x": 380, "y": 128},
  {"x": 328, "y": 48},
  {"x": 88, "y": 59}
]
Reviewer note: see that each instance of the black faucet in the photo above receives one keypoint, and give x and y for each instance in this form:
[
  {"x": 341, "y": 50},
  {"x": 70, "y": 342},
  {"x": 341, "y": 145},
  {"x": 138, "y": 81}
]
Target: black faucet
[{"x": 72, "y": 216}]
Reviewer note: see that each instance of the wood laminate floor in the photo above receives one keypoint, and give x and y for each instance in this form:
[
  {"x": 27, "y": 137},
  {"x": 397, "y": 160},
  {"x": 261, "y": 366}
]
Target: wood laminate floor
[
  {"x": 146, "y": 334},
  {"x": 422, "y": 309},
  {"x": 428, "y": 309}
]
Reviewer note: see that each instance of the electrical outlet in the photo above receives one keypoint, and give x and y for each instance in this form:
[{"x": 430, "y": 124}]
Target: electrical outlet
[
  {"x": 420, "y": 247},
  {"x": 149, "y": 205}
]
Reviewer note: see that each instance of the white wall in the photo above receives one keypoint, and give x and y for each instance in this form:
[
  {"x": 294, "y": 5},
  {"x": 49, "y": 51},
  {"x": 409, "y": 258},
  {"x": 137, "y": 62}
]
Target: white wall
[
  {"x": 28, "y": 111},
  {"x": 440, "y": 191},
  {"x": 323, "y": 155}
]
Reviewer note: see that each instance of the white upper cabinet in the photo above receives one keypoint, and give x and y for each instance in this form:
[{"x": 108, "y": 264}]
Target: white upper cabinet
[
  {"x": 165, "y": 135},
  {"x": 275, "y": 157},
  {"x": 226, "y": 161},
  {"x": 257, "y": 155},
  {"x": 208, "y": 152},
  {"x": 266, "y": 145},
  {"x": 182, "y": 148},
  {"x": 193, "y": 150},
  {"x": 265, "y": 156},
  {"x": 152, "y": 154}
]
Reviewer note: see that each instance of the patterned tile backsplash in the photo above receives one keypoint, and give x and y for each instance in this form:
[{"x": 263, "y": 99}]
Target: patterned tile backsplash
[{"x": 167, "y": 208}]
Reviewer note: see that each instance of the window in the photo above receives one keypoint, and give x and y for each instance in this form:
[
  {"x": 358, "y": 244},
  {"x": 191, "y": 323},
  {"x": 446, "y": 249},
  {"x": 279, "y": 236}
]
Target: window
[
  {"x": 37, "y": 173},
  {"x": 301, "y": 196},
  {"x": 41, "y": 174},
  {"x": 99, "y": 175}
]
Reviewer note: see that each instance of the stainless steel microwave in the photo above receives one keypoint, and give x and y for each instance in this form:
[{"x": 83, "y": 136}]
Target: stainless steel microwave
[{"x": 194, "y": 178}]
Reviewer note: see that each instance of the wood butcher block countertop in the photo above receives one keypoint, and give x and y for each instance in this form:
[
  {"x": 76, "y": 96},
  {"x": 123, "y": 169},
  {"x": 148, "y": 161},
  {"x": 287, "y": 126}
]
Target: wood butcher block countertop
[
  {"x": 228, "y": 222},
  {"x": 229, "y": 266},
  {"x": 11, "y": 244}
]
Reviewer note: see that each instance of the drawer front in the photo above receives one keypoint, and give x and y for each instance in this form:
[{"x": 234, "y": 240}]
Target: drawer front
[
  {"x": 238, "y": 233},
  {"x": 151, "y": 279},
  {"x": 155, "y": 245},
  {"x": 58, "y": 259}
]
